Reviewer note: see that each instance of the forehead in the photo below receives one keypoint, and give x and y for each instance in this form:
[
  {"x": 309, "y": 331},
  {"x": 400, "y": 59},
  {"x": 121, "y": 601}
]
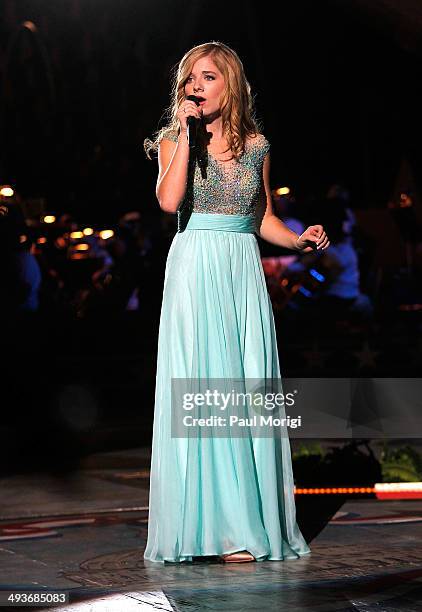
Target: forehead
[{"x": 204, "y": 64}]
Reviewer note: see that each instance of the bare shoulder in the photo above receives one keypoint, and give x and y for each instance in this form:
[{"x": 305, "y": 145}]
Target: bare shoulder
[
  {"x": 167, "y": 145},
  {"x": 168, "y": 140},
  {"x": 165, "y": 150}
]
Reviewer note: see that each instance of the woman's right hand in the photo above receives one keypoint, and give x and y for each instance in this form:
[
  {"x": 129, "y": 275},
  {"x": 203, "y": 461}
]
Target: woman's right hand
[{"x": 187, "y": 109}]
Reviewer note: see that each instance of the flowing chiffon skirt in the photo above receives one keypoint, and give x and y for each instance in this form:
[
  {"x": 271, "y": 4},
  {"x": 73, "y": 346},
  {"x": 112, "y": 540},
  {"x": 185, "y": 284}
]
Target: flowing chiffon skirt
[{"x": 210, "y": 495}]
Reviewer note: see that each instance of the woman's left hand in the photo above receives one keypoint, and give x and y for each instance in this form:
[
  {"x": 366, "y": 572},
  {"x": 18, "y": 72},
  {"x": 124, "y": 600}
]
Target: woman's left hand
[{"x": 313, "y": 238}]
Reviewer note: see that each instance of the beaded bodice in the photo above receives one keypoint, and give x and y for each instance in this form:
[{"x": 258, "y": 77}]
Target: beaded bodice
[{"x": 225, "y": 187}]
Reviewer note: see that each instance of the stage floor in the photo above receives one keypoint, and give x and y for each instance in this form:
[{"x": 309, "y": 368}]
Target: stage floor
[{"x": 86, "y": 533}]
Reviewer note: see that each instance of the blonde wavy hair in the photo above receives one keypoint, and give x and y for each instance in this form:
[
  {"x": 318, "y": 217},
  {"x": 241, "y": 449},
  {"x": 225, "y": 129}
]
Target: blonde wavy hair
[{"x": 237, "y": 102}]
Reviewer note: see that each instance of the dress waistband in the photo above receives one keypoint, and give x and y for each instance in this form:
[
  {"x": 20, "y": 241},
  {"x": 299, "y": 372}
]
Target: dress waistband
[{"x": 223, "y": 223}]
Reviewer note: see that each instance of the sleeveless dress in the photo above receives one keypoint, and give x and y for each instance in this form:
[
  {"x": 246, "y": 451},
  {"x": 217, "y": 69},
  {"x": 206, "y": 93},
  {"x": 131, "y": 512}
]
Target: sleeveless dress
[{"x": 217, "y": 495}]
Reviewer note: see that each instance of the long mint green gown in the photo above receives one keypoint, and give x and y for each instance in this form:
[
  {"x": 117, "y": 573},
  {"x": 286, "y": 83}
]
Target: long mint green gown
[{"x": 211, "y": 496}]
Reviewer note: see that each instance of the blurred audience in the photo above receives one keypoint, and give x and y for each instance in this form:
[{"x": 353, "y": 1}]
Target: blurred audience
[
  {"x": 57, "y": 264},
  {"x": 20, "y": 276},
  {"x": 339, "y": 291}
]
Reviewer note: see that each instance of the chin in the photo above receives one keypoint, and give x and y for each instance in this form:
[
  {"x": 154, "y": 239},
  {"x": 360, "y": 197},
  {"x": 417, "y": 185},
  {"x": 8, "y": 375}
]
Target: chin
[{"x": 208, "y": 112}]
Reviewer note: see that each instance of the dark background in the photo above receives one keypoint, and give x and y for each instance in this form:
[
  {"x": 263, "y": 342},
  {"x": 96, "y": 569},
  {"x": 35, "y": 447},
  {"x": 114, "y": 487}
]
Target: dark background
[{"x": 337, "y": 88}]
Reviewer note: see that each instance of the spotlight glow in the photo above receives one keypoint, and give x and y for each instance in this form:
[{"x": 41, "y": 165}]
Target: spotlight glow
[
  {"x": 60, "y": 242},
  {"x": 6, "y": 191},
  {"x": 405, "y": 200},
  {"x": 30, "y": 25},
  {"x": 49, "y": 219},
  {"x": 282, "y": 191},
  {"x": 105, "y": 234},
  {"x": 76, "y": 235},
  {"x": 88, "y": 231}
]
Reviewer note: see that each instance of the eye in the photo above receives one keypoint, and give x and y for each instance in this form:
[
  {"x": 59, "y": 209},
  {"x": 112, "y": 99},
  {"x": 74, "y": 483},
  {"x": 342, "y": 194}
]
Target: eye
[{"x": 207, "y": 76}]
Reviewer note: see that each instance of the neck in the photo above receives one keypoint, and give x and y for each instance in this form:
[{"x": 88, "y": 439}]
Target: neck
[{"x": 214, "y": 126}]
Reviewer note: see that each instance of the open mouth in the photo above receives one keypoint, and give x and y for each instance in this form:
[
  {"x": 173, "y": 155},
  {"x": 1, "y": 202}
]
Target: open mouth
[{"x": 201, "y": 100}]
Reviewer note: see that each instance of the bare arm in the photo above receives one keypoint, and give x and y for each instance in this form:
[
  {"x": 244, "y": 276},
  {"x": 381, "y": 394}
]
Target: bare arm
[
  {"x": 173, "y": 159},
  {"x": 273, "y": 230},
  {"x": 269, "y": 226}
]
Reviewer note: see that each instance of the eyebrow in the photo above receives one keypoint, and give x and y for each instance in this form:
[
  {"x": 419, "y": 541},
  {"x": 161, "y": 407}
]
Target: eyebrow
[{"x": 207, "y": 71}]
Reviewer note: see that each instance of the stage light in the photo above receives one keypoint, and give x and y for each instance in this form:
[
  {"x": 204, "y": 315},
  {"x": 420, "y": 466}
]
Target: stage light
[
  {"x": 88, "y": 231},
  {"x": 282, "y": 191},
  {"x": 105, "y": 234},
  {"x": 49, "y": 219},
  {"x": 398, "y": 490},
  {"x": 334, "y": 490},
  {"x": 319, "y": 277},
  {"x": 81, "y": 247},
  {"x": 60, "y": 242},
  {"x": 6, "y": 191},
  {"x": 305, "y": 292},
  {"x": 382, "y": 490},
  {"x": 23, "y": 238},
  {"x": 41, "y": 240},
  {"x": 76, "y": 235},
  {"x": 405, "y": 200},
  {"x": 29, "y": 25}
]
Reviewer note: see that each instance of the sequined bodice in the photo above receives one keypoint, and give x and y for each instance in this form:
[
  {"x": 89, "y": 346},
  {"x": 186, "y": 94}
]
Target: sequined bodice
[{"x": 229, "y": 187}]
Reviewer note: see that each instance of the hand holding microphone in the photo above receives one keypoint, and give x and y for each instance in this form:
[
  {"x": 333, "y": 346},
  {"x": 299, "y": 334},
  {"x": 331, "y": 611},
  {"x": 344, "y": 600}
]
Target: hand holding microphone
[{"x": 189, "y": 115}]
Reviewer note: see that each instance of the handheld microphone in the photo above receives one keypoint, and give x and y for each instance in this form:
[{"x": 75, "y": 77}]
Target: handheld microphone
[{"x": 192, "y": 123}]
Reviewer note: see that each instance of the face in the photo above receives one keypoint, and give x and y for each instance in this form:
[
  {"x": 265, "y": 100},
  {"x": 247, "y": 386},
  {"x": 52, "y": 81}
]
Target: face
[{"x": 207, "y": 82}]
